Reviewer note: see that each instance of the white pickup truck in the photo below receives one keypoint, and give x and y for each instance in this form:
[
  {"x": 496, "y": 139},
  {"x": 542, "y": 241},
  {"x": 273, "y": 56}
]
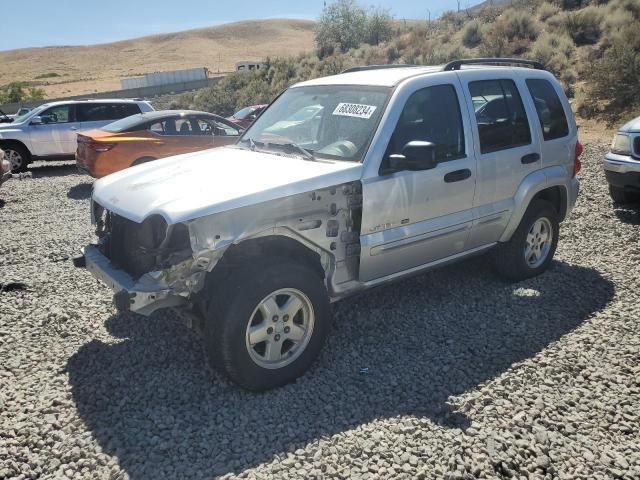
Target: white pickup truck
[{"x": 396, "y": 171}]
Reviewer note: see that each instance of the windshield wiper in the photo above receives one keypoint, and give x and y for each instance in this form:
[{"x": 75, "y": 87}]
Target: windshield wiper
[{"x": 308, "y": 154}]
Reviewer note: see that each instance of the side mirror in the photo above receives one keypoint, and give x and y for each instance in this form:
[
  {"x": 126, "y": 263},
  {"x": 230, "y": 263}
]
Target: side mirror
[
  {"x": 416, "y": 155},
  {"x": 37, "y": 120}
]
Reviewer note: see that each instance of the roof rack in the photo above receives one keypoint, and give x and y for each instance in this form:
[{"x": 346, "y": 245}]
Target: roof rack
[
  {"x": 456, "y": 64},
  {"x": 362, "y": 68}
]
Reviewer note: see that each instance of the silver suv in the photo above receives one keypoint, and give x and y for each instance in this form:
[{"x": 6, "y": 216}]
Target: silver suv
[
  {"x": 393, "y": 171},
  {"x": 49, "y": 132},
  {"x": 622, "y": 163}
]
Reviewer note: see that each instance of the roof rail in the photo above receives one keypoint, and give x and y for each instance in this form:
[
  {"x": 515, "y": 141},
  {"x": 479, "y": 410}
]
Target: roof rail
[
  {"x": 456, "y": 64},
  {"x": 362, "y": 68}
]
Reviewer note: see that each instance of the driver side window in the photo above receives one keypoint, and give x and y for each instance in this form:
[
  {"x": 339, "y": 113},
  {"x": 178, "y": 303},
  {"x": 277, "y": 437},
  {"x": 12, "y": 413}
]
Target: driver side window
[
  {"x": 431, "y": 114},
  {"x": 58, "y": 114}
]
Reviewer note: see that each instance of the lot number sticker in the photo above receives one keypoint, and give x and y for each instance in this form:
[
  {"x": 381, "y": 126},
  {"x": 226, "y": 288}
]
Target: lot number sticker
[{"x": 354, "y": 110}]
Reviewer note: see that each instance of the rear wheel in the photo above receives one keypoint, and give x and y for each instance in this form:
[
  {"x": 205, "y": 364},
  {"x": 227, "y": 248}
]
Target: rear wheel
[
  {"x": 267, "y": 324},
  {"x": 531, "y": 248},
  {"x": 18, "y": 156}
]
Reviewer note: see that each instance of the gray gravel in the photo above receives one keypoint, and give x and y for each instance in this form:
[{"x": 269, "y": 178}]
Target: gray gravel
[{"x": 452, "y": 374}]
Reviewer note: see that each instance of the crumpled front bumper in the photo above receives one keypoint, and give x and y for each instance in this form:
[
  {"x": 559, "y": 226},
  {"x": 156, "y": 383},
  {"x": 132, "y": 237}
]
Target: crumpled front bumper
[{"x": 129, "y": 295}]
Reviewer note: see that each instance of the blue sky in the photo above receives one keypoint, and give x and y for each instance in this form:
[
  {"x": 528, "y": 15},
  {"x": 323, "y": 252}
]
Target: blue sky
[{"x": 82, "y": 22}]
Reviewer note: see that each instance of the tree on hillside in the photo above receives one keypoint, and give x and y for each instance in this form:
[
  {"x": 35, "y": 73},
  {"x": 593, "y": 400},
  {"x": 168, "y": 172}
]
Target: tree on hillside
[
  {"x": 340, "y": 27},
  {"x": 379, "y": 26}
]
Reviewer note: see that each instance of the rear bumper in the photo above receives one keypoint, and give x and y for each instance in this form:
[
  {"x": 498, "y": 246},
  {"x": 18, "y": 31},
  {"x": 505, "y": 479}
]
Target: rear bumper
[
  {"x": 129, "y": 295},
  {"x": 622, "y": 171}
]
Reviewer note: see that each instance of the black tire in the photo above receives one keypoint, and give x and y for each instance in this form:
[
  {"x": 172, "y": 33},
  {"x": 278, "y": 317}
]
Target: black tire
[
  {"x": 230, "y": 311},
  {"x": 23, "y": 153},
  {"x": 142, "y": 160},
  {"x": 510, "y": 256},
  {"x": 620, "y": 195}
]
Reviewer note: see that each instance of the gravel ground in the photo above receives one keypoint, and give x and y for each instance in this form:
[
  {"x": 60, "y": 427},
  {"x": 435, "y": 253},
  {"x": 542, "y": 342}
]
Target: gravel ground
[{"x": 452, "y": 374}]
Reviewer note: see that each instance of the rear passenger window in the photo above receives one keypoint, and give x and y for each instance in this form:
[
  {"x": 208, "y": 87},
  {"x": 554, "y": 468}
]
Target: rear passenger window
[
  {"x": 431, "y": 114},
  {"x": 502, "y": 121},
  {"x": 553, "y": 121},
  {"x": 98, "y": 112}
]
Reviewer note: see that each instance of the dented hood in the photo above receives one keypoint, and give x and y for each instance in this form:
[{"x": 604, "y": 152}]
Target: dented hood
[{"x": 193, "y": 185}]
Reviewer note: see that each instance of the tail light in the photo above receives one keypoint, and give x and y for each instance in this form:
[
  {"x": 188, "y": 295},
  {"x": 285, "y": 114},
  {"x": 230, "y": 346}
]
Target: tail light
[
  {"x": 101, "y": 146},
  {"x": 577, "y": 165}
]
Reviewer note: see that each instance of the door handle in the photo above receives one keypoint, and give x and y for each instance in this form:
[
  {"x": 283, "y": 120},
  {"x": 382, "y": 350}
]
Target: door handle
[
  {"x": 457, "y": 175},
  {"x": 530, "y": 158}
]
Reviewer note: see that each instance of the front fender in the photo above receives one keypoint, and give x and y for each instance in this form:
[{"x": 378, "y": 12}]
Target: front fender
[{"x": 534, "y": 183}]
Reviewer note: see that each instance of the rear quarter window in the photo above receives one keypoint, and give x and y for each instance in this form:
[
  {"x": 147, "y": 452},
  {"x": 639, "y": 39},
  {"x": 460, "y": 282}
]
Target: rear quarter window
[
  {"x": 553, "y": 120},
  {"x": 97, "y": 112}
]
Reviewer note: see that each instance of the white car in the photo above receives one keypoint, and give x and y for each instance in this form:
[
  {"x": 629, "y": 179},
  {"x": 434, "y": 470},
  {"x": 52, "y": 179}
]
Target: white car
[{"x": 49, "y": 131}]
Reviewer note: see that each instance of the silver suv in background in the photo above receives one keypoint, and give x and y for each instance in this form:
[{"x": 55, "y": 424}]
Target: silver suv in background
[
  {"x": 397, "y": 171},
  {"x": 622, "y": 163},
  {"x": 49, "y": 131}
]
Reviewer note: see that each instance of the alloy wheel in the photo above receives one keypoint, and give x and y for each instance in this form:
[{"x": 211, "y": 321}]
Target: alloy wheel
[
  {"x": 538, "y": 242},
  {"x": 280, "y": 328}
]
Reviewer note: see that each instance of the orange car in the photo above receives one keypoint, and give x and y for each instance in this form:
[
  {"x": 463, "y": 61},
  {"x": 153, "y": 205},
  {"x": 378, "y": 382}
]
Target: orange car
[{"x": 149, "y": 136}]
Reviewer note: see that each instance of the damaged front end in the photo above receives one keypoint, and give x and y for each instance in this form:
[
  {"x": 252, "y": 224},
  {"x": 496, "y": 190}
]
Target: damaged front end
[
  {"x": 148, "y": 265},
  {"x": 153, "y": 264}
]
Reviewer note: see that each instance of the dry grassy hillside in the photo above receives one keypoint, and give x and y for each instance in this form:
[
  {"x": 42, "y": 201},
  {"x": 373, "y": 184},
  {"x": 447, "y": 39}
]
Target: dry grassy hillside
[{"x": 85, "y": 69}]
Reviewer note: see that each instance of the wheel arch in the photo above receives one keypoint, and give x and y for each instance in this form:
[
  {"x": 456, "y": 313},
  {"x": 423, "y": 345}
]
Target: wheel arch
[
  {"x": 549, "y": 184},
  {"x": 10, "y": 141},
  {"x": 259, "y": 248},
  {"x": 143, "y": 159}
]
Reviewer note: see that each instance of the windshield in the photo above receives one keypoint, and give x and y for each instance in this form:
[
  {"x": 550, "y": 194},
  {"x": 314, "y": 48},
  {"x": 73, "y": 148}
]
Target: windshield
[
  {"x": 123, "y": 124},
  {"x": 245, "y": 112},
  {"x": 24, "y": 116},
  {"x": 329, "y": 121}
]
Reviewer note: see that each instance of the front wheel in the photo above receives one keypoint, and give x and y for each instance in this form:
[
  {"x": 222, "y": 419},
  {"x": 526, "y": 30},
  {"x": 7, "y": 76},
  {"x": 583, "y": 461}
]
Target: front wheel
[
  {"x": 531, "y": 248},
  {"x": 267, "y": 324},
  {"x": 17, "y": 156}
]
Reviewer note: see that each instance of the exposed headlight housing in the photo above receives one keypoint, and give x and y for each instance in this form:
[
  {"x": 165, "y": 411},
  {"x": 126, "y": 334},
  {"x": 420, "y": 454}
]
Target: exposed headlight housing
[{"x": 621, "y": 144}]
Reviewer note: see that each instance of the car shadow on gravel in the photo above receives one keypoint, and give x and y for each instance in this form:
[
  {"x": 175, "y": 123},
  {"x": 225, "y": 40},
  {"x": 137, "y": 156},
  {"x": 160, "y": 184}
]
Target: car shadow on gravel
[
  {"x": 404, "y": 349},
  {"x": 57, "y": 169},
  {"x": 82, "y": 191},
  {"x": 629, "y": 213}
]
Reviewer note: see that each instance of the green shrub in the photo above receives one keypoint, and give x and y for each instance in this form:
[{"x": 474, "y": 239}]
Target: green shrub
[
  {"x": 494, "y": 41},
  {"x": 555, "y": 51},
  {"x": 510, "y": 34},
  {"x": 48, "y": 75},
  {"x": 616, "y": 77},
  {"x": 583, "y": 26},
  {"x": 570, "y": 4},
  {"x": 621, "y": 24},
  {"x": 340, "y": 27},
  {"x": 379, "y": 26},
  {"x": 519, "y": 25},
  {"x": 472, "y": 34},
  {"x": 547, "y": 10}
]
